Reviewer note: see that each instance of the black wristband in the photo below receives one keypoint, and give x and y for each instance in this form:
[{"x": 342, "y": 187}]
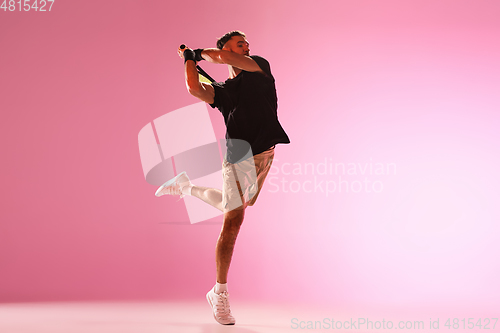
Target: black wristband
[
  {"x": 197, "y": 54},
  {"x": 189, "y": 55}
]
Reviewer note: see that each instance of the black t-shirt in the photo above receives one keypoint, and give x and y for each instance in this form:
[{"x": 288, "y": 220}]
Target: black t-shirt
[{"x": 249, "y": 105}]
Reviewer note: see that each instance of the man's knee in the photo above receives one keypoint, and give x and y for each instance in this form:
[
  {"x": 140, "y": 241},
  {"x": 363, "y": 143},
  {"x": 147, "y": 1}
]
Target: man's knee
[{"x": 234, "y": 218}]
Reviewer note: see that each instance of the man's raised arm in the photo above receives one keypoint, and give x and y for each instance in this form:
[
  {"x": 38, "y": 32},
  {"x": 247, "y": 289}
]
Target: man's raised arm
[
  {"x": 200, "y": 90},
  {"x": 240, "y": 61}
]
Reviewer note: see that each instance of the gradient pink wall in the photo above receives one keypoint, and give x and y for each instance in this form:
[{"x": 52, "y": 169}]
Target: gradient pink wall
[{"x": 410, "y": 84}]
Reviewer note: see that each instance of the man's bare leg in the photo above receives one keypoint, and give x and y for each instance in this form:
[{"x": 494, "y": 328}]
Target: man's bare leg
[
  {"x": 225, "y": 243},
  {"x": 218, "y": 296},
  {"x": 211, "y": 196},
  {"x": 230, "y": 228}
]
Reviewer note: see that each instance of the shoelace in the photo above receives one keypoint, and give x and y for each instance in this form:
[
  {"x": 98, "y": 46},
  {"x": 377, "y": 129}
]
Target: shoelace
[
  {"x": 222, "y": 303},
  {"x": 171, "y": 191}
]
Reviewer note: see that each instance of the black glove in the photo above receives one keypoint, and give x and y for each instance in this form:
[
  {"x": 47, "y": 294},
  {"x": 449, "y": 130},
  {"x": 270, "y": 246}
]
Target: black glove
[
  {"x": 198, "y": 56},
  {"x": 189, "y": 55}
]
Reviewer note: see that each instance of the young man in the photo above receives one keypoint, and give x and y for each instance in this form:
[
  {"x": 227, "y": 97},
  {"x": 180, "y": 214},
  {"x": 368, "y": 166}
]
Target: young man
[{"x": 248, "y": 102}]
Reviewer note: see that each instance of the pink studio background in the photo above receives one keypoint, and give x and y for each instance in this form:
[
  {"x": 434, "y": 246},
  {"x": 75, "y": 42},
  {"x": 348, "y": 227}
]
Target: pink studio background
[{"x": 409, "y": 84}]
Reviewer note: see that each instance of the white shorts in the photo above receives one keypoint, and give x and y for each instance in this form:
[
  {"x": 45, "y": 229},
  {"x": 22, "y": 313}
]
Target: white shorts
[{"x": 243, "y": 181}]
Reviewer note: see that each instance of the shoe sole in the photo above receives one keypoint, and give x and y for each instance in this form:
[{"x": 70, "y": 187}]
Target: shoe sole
[
  {"x": 210, "y": 302},
  {"x": 168, "y": 183}
]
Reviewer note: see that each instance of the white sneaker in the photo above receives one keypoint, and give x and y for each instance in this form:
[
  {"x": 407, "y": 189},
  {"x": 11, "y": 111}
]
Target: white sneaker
[
  {"x": 174, "y": 186},
  {"x": 220, "y": 307}
]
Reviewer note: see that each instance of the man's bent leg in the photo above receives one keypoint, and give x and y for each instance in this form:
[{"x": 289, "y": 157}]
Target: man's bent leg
[
  {"x": 211, "y": 196},
  {"x": 225, "y": 244}
]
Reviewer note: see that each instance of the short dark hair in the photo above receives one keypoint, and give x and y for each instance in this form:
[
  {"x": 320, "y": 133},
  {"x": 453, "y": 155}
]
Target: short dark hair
[{"x": 224, "y": 39}]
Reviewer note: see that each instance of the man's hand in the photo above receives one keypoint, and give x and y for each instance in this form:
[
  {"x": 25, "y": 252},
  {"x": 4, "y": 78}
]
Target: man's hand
[
  {"x": 180, "y": 51},
  {"x": 188, "y": 54},
  {"x": 193, "y": 54},
  {"x": 200, "y": 90}
]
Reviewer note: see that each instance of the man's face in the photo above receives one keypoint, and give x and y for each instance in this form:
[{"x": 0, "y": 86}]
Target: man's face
[{"x": 238, "y": 44}]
